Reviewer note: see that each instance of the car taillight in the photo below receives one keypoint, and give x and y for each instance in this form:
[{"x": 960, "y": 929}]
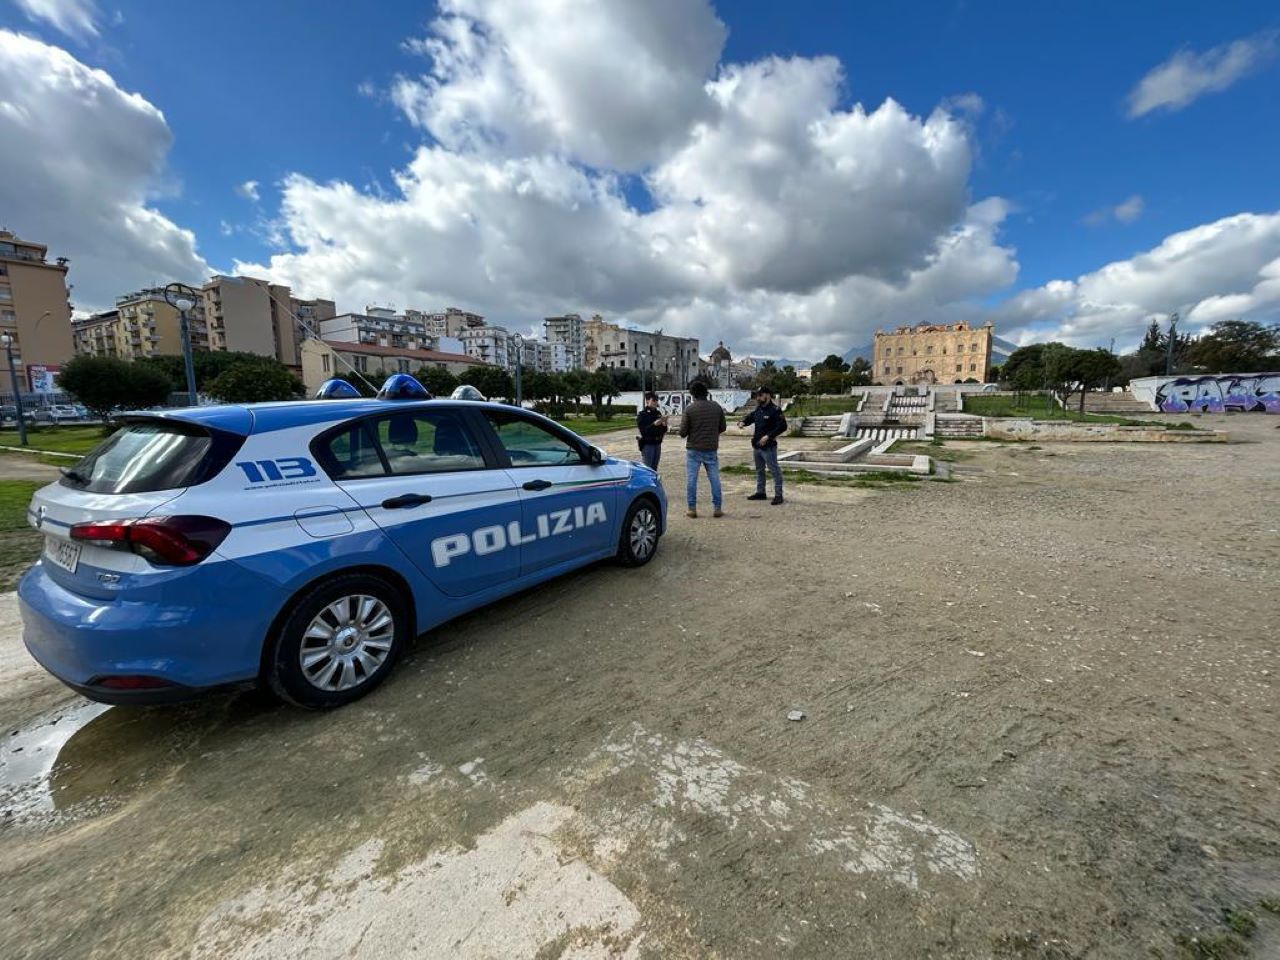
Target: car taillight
[{"x": 174, "y": 541}]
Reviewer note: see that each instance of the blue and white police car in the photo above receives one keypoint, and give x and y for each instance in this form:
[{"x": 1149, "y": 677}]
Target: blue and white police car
[{"x": 302, "y": 545}]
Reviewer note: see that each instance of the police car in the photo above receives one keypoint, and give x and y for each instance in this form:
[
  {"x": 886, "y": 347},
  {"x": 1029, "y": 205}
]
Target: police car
[{"x": 302, "y": 545}]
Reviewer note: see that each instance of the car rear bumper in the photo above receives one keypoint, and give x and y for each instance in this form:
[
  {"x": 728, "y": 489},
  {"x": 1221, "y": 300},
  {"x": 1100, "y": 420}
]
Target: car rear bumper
[{"x": 193, "y": 641}]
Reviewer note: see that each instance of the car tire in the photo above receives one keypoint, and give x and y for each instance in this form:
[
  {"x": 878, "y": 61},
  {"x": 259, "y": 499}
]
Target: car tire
[
  {"x": 641, "y": 531},
  {"x": 339, "y": 640}
]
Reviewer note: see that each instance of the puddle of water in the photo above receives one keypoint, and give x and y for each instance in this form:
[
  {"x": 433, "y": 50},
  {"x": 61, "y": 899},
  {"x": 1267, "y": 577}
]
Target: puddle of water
[{"x": 27, "y": 756}]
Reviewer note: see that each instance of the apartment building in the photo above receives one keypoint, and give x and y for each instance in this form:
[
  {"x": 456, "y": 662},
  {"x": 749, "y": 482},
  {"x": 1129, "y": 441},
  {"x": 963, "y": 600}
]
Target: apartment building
[
  {"x": 570, "y": 332},
  {"x": 488, "y": 345},
  {"x": 323, "y": 359},
  {"x": 378, "y": 326},
  {"x": 143, "y": 324},
  {"x": 449, "y": 323},
  {"x": 34, "y": 310},
  {"x": 256, "y": 316},
  {"x": 665, "y": 360}
]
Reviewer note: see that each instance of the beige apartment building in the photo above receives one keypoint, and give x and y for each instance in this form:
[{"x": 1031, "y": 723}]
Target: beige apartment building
[
  {"x": 34, "y": 310},
  {"x": 255, "y": 316},
  {"x": 143, "y": 324},
  {"x": 323, "y": 359},
  {"x": 448, "y": 323},
  {"x": 933, "y": 353}
]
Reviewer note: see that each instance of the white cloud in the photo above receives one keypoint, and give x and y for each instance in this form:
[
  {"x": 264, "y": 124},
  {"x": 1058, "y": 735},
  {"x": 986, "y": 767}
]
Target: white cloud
[
  {"x": 248, "y": 190},
  {"x": 611, "y": 83},
  {"x": 1222, "y": 270},
  {"x": 1124, "y": 212},
  {"x": 78, "y": 19},
  {"x": 81, "y": 158},
  {"x": 1186, "y": 76}
]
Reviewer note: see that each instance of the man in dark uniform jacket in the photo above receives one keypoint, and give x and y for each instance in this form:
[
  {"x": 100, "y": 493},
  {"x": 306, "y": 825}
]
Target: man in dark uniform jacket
[
  {"x": 653, "y": 427},
  {"x": 769, "y": 424}
]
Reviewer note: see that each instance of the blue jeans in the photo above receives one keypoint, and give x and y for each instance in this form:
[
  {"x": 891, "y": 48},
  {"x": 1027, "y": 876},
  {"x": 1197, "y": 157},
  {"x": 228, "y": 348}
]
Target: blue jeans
[
  {"x": 768, "y": 457},
  {"x": 704, "y": 458}
]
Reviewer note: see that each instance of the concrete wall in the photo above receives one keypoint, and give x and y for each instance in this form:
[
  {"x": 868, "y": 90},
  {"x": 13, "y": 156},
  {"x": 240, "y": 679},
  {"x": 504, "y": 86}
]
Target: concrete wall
[
  {"x": 1005, "y": 428},
  {"x": 1215, "y": 393},
  {"x": 674, "y": 401}
]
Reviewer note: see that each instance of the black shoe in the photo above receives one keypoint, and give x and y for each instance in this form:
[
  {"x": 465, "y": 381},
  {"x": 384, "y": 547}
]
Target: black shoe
[
  {"x": 775, "y": 501},
  {"x": 757, "y": 496}
]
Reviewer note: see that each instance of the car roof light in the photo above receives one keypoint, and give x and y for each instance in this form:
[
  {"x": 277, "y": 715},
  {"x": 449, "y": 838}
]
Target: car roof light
[
  {"x": 401, "y": 386},
  {"x": 337, "y": 389}
]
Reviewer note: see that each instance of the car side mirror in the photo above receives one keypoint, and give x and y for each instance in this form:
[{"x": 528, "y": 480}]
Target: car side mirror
[{"x": 595, "y": 456}]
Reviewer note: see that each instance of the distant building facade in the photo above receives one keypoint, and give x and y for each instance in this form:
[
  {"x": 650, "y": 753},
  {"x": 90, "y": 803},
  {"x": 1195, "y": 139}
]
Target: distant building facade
[
  {"x": 488, "y": 345},
  {"x": 658, "y": 357},
  {"x": 143, "y": 324},
  {"x": 378, "y": 327},
  {"x": 324, "y": 359},
  {"x": 448, "y": 323},
  {"x": 569, "y": 331},
  {"x": 933, "y": 353},
  {"x": 35, "y": 310},
  {"x": 256, "y": 316}
]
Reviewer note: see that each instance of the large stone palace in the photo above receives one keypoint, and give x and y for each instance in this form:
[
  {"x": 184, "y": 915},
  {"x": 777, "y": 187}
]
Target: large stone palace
[{"x": 933, "y": 353}]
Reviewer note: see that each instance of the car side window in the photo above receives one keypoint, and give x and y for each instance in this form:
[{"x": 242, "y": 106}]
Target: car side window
[
  {"x": 351, "y": 454},
  {"x": 427, "y": 441},
  {"x": 530, "y": 444}
]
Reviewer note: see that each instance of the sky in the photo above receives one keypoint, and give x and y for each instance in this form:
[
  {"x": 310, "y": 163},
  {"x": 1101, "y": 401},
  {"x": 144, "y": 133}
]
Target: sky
[{"x": 787, "y": 178}]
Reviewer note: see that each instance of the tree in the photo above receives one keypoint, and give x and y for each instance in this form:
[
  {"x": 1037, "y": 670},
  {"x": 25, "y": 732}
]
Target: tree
[
  {"x": 860, "y": 373},
  {"x": 493, "y": 382},
  {"x": 601, "y": 386},
  {"x": 1236, "y": 346},
  {"x": 439, "y": 381},
  {"x": 833, "y": 362},
  {"x": 1024, "y": 370},
  {"x": 255, "y": 382},
  {"x": 106, "y": 384},
  {"x": 1092, "y": 368}
]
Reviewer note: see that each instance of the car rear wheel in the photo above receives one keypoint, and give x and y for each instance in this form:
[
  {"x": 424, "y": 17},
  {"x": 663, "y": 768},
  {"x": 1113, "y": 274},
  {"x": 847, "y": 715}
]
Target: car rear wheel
[
  {"x": 339, "y": 641},
  {"x": 640, "y": 532}
]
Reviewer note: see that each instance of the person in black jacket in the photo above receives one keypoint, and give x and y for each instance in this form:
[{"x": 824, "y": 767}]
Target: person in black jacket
[
  {"x": 769, "y": 424},
  {"x": 653, "y": 427}
]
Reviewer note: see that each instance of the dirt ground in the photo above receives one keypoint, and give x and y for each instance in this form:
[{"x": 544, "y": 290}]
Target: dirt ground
[{"x": 1041, "y": 721}]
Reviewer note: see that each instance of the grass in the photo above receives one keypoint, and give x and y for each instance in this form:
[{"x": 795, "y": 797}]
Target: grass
[
  {"x": 589, "y": 426},
  {"x": 58, "y": 439},
  {"x": 934, "y": 448},
  {"x": 823, "y": 406},
  {"x": 1037, "y": 406},
  {"x": 870, "y": 480},
  {"x": 19, "y": 544}
]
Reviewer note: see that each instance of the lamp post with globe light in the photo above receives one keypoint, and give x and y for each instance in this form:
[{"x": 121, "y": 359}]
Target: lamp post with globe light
[
  {"x": 182, "y": 298},
  {"x": 518, "y": 340}
]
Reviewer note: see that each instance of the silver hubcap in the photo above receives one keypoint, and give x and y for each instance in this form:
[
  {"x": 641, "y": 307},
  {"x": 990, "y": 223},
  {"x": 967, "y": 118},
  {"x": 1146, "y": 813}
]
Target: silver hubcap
[
  {"x": 644, "y": 533},
  {"x": 347, "y": 642}
]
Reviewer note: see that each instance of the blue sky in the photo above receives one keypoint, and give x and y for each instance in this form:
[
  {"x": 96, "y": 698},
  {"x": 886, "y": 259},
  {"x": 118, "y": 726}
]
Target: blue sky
[{"x": 1040, "y": 92}]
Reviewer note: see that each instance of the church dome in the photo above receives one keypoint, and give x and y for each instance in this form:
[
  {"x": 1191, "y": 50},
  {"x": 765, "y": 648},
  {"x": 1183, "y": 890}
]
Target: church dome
[{"x": 721, "y": 353}]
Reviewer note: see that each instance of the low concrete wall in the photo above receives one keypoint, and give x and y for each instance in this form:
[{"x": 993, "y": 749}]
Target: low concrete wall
[{"x": 1008, "y": 428}]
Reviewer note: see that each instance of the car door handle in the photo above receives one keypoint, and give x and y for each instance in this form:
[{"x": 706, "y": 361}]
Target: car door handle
[
  {"x": 406, "y": 500},
  {"x": 538, "y": 484}
]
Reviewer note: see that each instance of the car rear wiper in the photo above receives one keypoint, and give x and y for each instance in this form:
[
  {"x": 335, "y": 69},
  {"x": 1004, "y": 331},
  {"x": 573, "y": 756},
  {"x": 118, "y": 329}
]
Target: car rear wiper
[{"x": 71, "y": 474}]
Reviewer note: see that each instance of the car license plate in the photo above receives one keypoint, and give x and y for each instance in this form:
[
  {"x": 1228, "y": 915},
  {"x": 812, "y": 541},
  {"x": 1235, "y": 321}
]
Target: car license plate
[{"x": 62, "y": 553}]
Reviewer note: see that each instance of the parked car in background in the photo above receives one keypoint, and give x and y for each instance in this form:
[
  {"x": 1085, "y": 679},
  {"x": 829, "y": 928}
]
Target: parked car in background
[{"x": 64, "y": 412}]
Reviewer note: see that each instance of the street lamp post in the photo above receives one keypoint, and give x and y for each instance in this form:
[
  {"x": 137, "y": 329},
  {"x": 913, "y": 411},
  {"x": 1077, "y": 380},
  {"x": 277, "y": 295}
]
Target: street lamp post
[
  {"x": 183, "y": 298},
  {"x": 7, "y": 340},
  {"x": 1173, "y": 336},
  {"x": 519, "y": 342}
]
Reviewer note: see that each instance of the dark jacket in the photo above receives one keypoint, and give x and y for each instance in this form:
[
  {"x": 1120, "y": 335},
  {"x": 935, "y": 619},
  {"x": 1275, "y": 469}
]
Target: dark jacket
[
  {"x": 651, "y": 431},
  {"x": 702, "y": 424},
  {"x": 769, "y": 422}
]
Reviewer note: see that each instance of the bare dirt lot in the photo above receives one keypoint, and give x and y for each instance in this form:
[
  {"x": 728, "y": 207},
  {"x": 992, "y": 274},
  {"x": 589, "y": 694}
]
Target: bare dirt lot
[{"x": 1041, "y": 721}]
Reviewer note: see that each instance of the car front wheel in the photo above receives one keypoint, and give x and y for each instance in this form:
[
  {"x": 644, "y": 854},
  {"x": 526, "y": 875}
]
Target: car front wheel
[
  {"x": 640, "y": 533},
  {"x": 339, "y": 641}
]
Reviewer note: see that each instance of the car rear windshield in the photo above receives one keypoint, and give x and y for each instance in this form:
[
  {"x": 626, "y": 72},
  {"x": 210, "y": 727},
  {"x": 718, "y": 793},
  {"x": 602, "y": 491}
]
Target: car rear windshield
[{"x": 146, "y": 456}]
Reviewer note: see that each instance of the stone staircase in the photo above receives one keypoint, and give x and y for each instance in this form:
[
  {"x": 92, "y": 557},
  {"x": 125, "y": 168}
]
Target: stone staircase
[
  {"x": 945, "y": 401},
  {"x": 824, "y": 426},
  {"x": 1118, "y": 404},
  {"x": 957, "y": 425},
  {"x": 882, "y": 433},
  {"x": 900, "y": 407}
]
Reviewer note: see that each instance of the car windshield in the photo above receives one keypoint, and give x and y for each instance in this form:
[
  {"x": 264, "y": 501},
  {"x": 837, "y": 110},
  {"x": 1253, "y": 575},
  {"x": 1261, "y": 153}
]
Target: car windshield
[{"x": 141, "y": 457}]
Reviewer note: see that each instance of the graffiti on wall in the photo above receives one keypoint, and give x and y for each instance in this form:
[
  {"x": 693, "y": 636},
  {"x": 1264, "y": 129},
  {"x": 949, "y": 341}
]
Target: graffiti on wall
[
  {"x": 1219, "y": 394},
  {"x": 674, "y": 401}
]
